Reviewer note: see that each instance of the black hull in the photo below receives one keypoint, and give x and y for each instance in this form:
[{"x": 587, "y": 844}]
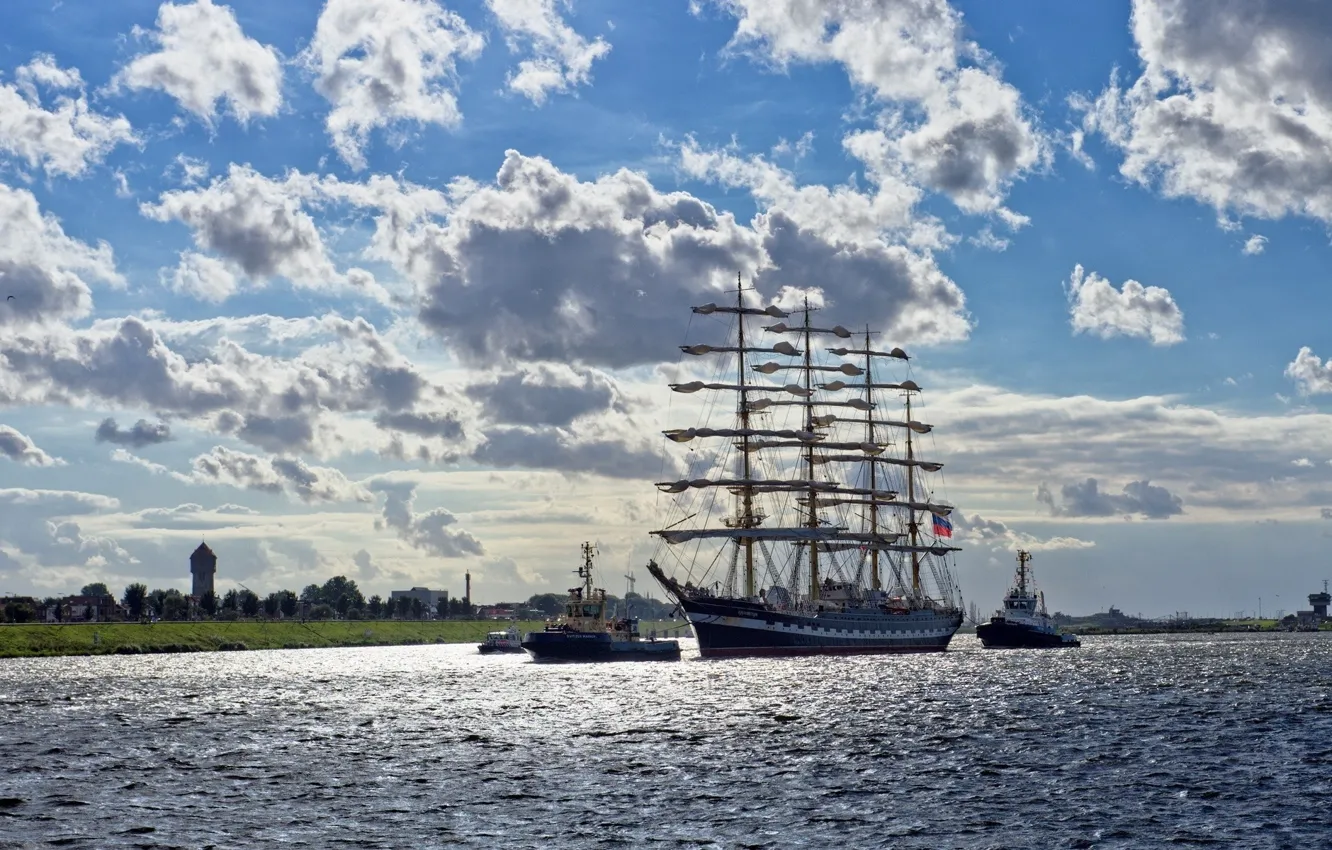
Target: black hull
[
  {"x": 999, "y": 634},
  {"x": 736, "y": 629},
  {"x": 557, "y": 646},
  {"x": 487, "y": 649}
]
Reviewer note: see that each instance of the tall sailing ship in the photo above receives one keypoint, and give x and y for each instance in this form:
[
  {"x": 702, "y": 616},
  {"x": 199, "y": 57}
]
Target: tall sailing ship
[{"x": 809, "y": 527}]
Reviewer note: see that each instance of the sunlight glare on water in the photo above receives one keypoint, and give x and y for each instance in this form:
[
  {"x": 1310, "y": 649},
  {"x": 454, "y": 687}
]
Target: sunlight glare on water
[{"x": 1125, "y": 742}]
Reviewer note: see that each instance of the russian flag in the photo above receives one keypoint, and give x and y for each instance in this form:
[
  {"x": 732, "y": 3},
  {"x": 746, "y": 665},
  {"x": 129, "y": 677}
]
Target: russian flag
[{"x": 942, "y": 527}]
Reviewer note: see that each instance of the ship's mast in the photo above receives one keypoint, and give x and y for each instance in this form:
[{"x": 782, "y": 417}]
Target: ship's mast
[
  {"x": 585, "y": 571},
  {"x": 911, "y": 511},
  {"x": 1023, "y": 557},
  {"x": 873, "y": 482},
  {"x": 746, "y": 492},
  {"x": 813, "y": 521}
]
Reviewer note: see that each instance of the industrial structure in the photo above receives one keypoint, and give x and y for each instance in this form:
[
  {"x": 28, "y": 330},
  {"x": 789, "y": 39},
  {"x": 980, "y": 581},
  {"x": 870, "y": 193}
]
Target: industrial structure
[{"x": 1317, "y": 614}]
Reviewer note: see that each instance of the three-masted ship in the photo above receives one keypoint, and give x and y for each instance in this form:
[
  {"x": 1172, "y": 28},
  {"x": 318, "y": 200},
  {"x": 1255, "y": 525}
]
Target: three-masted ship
[{"x": 802, "y": 529}]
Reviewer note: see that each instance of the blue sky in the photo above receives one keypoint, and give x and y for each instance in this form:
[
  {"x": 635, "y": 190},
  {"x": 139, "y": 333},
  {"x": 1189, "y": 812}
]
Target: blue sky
[{"x": 1189, "y": 403}]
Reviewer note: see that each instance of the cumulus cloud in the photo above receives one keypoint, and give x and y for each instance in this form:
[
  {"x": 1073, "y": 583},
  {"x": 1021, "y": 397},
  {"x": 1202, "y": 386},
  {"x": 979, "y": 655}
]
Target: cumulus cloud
[
  {"x": 20, "y": 448},
  {"x": 949, "y": 120},
  {"x": 141, "y": 433},
  {"x": 1087, "y": 500},
  {"x": 541, "y": 266},
  {"x": 546, "y": 394},
  {"x": 203, "y": 57},
  {"x": 1233, "y": 106},
  {"x": 1255, "y": 245},
  {"x": 46, "y": 271},
  {"x": 1147, "y": 312},
  {"x": 567, "y": 451},
  {"x": 65, "y": 139},
  {"x": 260, "y": 228},
  {"x": 37, "y": 524},
  {"x": 276, "y": 475},
  {"x": 993, "y": 533},
  {"x": 1311, "y": 375},
  {"x": 203, "y": 277},
  {"x": 432, "y": 531},
  {"x": 443, "y": 425},
  {"x": 381, "y": 63},
  {"x": 561, "y": 58}
]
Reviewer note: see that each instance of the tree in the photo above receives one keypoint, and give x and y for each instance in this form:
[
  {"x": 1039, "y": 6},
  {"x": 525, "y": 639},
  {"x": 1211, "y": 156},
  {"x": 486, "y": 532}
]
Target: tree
[
  {"x": 272, "y": 604},
  {"x": 248, "y": 602},
  {"x": 287, "y": 603},
  {"x": 231, "y": 600},
  {"x": 97, "y": 588},
  {"x": 155, "y": 601},
  {"x": 135, "y": 595},
  {"x": 174, "y": 606},
  {"x": 442, "y": 608},
  {"x": 417, "y": 608},
  {"x": 337, "y": 587},
  {"x": 208, "y": 602},
  {"x": 321, "y": 612},
  {"x": 374, "y": 605},
  {"x": 344, "y": 602},
  {"x": 310, "y": 594},
  {"x": 547, "y": 603},
  {"x": 404, "y": 606}
]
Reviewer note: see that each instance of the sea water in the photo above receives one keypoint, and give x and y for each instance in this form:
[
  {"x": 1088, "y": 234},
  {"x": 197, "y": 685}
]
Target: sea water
[{"x": 1135, "y": 741}]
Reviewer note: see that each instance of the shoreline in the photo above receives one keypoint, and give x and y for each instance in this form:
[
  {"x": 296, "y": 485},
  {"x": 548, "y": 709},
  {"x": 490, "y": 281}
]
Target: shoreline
[{"x": 48, "y": 640}]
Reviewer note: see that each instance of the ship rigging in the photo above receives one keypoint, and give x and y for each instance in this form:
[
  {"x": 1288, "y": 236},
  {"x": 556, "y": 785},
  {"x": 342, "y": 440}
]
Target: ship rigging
[{"x": 822, "y": 541}]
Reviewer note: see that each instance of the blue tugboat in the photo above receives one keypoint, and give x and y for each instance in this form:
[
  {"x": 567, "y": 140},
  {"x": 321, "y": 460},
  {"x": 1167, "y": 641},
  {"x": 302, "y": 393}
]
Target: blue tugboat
[
  {"x": 584, "y": 633},
  {"x": 1024, "y": 623}
]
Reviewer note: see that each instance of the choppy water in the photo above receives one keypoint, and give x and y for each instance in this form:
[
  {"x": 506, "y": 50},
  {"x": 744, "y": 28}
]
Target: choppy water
[{"x": 1127, "y": 742}]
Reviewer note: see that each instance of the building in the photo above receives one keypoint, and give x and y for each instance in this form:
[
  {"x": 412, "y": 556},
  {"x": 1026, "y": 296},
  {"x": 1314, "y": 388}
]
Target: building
[
  {"x": 1318, "y": 602},
  {"x": 429, "y": 598},
  {"x": 87, "y": 609},
  {"x": 203, "y": 566}
]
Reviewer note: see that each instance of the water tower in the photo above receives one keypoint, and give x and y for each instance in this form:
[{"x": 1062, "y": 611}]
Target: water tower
[{"x": 203, "y": 566}]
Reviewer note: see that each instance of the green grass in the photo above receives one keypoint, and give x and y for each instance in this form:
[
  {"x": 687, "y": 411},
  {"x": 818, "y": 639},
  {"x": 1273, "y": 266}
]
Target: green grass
[{"x": 21, "y": 641}]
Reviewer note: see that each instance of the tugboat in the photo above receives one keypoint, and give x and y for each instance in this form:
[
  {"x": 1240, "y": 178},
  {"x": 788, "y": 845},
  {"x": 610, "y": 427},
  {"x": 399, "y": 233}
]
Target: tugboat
[
  {"x": 505, "y": 641},
  {"x": 584, "y": 633},
  {"x": 1024, "y": 622}
]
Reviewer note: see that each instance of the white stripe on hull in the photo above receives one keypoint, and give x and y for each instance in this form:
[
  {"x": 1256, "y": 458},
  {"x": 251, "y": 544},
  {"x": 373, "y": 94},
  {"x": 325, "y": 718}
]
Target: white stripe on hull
[{"x": 787, "y": 639}]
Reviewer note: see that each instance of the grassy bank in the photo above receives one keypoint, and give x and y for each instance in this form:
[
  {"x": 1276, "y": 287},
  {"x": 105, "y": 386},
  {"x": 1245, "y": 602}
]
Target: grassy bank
[{"x": 22, "y": 641}]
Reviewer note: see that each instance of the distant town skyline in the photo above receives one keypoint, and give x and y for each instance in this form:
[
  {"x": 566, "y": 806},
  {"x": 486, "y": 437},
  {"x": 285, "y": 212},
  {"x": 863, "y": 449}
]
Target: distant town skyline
[{"x": 393, "y": 288}]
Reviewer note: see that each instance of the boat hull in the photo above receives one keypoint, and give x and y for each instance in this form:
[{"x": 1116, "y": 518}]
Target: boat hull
[
  {"x": 490, "y": 648},
  {"x": 1000, "y": 634},
  {"x": 730, "y": 630},
  {"x": 582, "y": 646}
]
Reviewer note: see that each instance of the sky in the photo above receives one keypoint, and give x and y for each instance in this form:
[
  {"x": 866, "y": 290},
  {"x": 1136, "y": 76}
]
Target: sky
[{"x": 393, "y": 288}]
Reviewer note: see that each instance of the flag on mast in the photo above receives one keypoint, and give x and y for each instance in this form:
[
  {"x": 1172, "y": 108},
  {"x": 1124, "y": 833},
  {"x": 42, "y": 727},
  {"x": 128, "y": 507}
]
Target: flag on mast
[{"x": 942, "y": 527}]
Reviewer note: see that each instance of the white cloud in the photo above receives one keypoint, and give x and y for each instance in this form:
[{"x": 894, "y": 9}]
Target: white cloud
[
  {"x": 260, "y": 228},
  {"x": 1255, "y": 245},
  {"x": 995, "y": 534},
  {"x": 539, "y": 265},
  {"x": 384, "y": 62},
  {"x": 65, "y": 139},
  {"x": 1135, "y": 310},
  {"x": 276, "y": 475},
  {"x": 20, "y": 448},
  {"x": 204, "y": 58},
  {"x": 1310, "y": 374},
  {"x": 46, "y": 271},
  {"x": 203, "y": 277},
  {"x": 432, "y": 531},
  {"x": 1086, "y": 499},
  {"x": 1233, "y": 107},
  {"x": 948, "y": 118},
  {"x": 141, "y": 433},
  {"x": 561, "y": 58}
]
